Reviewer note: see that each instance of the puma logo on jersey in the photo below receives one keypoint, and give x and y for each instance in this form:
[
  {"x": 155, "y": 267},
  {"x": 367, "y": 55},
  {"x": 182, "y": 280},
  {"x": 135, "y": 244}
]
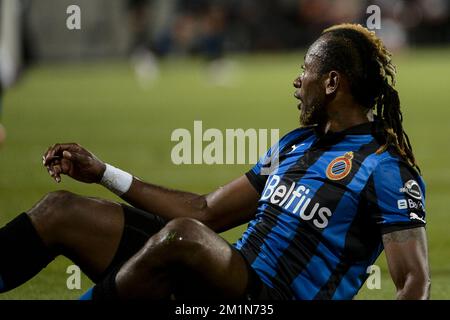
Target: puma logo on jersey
[
  {"x": 414, "y": 216},
  {"x": 294, "y": 147}
]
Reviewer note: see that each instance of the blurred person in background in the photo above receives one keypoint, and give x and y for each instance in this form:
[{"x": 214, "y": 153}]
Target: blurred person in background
[
  {"x": 15, "y": 50},
  {"x": 138, "y": 13},
  {"x": 198, "y": 28},
  {"x": 195, "y": 27},
  {"x": 177, "y": 27},
  {"x": 142, "y": 57},
  {"x": 2, "y": 128}
]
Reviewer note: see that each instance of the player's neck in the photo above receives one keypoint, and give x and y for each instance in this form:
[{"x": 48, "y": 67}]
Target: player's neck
[{"x": 340, "y": 119}]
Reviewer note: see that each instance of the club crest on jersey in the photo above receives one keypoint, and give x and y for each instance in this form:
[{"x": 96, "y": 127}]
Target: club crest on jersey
[{"x": 340, "y": 167}]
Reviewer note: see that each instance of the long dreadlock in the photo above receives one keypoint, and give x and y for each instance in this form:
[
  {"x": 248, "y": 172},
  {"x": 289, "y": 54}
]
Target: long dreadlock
[{"x": 362, "y": 56}]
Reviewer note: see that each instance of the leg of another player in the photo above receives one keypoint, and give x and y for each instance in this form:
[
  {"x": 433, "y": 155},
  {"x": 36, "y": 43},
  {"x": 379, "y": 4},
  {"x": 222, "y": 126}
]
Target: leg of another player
[{"x": 185, "y": 258}]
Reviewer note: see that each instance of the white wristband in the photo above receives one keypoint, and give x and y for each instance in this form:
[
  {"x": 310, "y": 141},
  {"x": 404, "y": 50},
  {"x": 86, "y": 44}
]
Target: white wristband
[{"x": 116, "y": 180}]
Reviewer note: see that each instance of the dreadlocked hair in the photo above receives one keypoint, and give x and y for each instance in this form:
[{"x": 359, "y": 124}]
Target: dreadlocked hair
[{"x": 362, "y": 57}]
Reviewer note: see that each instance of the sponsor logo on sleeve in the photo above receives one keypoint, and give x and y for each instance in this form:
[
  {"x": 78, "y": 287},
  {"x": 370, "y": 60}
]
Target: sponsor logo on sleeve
[
  {"x": 402, "y": 204},
  {"x": 413, "y": 199},
  {"x": 415, "y": 205},
  {"x": 412, "y": 189}
]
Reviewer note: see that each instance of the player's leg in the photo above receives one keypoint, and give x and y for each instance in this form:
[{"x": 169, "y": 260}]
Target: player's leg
[
  {"x": 184, "y": 249},
  {"x": 86, "y": 230}
]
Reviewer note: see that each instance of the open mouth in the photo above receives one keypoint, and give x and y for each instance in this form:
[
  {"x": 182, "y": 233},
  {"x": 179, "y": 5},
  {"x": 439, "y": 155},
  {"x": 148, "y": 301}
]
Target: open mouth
[
  {"x": 297, "y": 96},
  {"x": 300, "y": 103}
]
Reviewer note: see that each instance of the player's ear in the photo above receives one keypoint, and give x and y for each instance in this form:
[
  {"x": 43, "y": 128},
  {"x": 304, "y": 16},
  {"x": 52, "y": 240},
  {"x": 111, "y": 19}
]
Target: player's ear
[{"x": 332, "y": 82}]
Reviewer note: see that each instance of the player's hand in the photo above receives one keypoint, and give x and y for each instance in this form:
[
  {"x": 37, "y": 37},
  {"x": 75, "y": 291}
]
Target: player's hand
[{"x": 73, "y": 160}]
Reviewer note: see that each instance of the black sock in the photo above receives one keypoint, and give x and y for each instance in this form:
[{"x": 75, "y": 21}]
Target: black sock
[
  {"x": 106, "y": 289},
  {"x": 22, "y": 253}
]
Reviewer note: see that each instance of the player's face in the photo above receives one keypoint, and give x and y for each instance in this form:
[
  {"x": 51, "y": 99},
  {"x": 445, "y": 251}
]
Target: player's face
[{"x": 310, "y": 89}]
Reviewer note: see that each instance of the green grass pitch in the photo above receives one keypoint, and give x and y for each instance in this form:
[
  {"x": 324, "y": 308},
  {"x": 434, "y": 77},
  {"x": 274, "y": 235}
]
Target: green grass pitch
[{"x": 102, "y": 107}]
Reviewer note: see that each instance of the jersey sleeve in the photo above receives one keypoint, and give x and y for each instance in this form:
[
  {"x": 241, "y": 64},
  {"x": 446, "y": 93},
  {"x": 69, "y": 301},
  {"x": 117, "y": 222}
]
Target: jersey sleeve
[
  {"x": 396, "y": 196},
  {"x": 259, "y": 173}
]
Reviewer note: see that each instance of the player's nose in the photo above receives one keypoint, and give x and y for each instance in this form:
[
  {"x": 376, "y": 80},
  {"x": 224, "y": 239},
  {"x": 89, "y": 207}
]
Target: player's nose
[{"x": 297, "y": 83}]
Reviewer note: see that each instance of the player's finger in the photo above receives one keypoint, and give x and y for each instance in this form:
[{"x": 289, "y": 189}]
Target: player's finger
[
  {"x": 74, "y": 156},
  {"x": 65, "y": 166},
  {"x": 56, "y": 168},
  {"x": 51, "y": 173},
  {"x": 49, "y": 170},
  {"x": 44, "y": 157},
  {"x": 55, "y": 161},
  {"x": 57, "y": 173},
  {"x": 50, "y": 154},
  {"x": 57, "y": 150},
  {"x": 51, "y": 161}
]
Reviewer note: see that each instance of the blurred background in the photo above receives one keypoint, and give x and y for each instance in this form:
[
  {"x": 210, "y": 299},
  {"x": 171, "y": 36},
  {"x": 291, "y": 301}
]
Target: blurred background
[{"x": 136, "y": 70}]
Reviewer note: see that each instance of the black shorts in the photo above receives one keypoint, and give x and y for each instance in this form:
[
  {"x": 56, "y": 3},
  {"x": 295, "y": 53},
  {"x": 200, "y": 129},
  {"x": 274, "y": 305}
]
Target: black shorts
[
  {"x": 257, "y": 290},
  {"x": 140, "y": 225}
]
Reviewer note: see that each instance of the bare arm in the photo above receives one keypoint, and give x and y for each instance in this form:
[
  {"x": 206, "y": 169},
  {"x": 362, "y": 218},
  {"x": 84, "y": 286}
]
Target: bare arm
[
  {"x": 407, "y": 257},
  {"x": 222, "y": 209}
]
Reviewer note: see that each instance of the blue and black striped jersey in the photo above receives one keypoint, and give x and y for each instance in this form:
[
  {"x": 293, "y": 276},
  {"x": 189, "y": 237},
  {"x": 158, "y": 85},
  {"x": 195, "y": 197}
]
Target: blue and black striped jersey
[{"x": 323, "y": 209}]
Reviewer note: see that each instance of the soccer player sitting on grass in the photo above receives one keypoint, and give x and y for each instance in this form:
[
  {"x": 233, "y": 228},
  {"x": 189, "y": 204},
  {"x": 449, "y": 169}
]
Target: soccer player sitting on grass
[{"x": 346, "y": 186}]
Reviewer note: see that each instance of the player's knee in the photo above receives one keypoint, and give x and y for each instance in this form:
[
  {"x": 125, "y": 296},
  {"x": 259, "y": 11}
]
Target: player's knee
[
  {"x": 59, "y": 197},
  {"x": 184, "y": 227},
  {"x": 59, "y": 201},
  {"x": 183, "y": 232},
  {"x": 178, "y": 240},
  {"x": 53, "y": 209}
]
